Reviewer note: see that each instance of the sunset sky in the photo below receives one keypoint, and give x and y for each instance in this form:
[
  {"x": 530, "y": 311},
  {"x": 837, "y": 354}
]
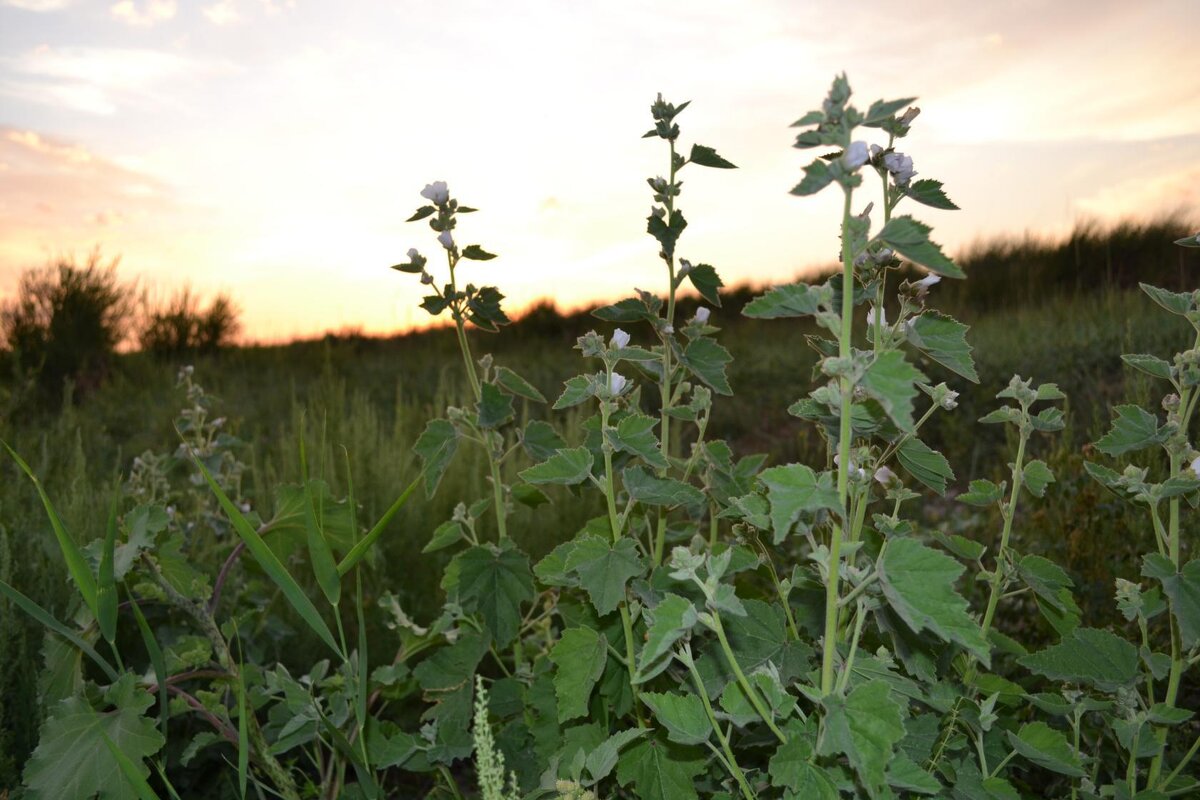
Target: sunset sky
[{"x": 274, "y": 148}]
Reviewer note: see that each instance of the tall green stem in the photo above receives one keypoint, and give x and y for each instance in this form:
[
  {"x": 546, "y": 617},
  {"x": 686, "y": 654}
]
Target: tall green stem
[
  {"x": 751, "y": 694},
  {"x": 724, "y": 741},
  {"x": 660, "y": 536},
  {"x": 847, "y": 391},
  {"x": 1009, "y": 513}
]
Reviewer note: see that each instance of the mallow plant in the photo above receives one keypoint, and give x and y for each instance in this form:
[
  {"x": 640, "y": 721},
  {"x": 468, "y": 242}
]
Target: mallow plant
[{"x": 727, "y": 628}]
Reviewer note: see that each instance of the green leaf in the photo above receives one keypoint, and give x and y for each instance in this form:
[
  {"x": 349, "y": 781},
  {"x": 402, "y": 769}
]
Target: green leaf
[
  {"x": 566, "y": 467},
  {"x": 1134, "y": 429},
  {"x": 319, "y": 553},
  {"x": 1036, "y": 477},
  {"x": 1088, "y": 655},
  {"x": 905, "y": 774},
  {"x": 661, "y": 771},
  {"x": 1189, "y": 241},
  {"x": 484, "y": 309},
  {"x": 706, "y": 360},
  {"x": 765, "y": 682},
  {"x": 270, "y": 563},
  {"x": 926, "y": 464},
  {"x": 1052, "y": 587},
  {"x": 578, "y": 389},
  {"x": 494, "y": 407},
  {"x": 707, "y": 282},
  {"x": 514, "y": 384},
  {"x": 1048, "y": 748},
  {"x": 132, "y": 772},
  {"x": 76, "y": 565},
  {"x": 793, "y": 300},
  {"x": 683, "y": 716},
  {"x": 817, "y": 176},
  {"x": 910, "y": 238},
  {"x": 983, "y": 493},
  {"x": 157, "y": 661},
  {"x": 72, "y": 758},
  {"x": 106, "y": 588},
  {"x": 929, "y": 192},
  {"x": 645, "y": 488},
  {"x": 435, "y": 447},
  {"x": 672, "y": 619},
  {"x": 47, "y": 621},
  {"x": 1176, "y": 302},
  {"x": 864, "y": 726},
  {"x": 707, "y": 157},
  {"x": 891, "y": 380},
  {"x": 918, "y": 583},
  {"x": 793, "y": 489},
  {"x": 495, "y": 580},
  {"x": 635, "y": 434},
  {"x": 421, "y": 213},
  {"x": 604, "y": 569},
  {"x": 580, "y": 656},
  {"x": 451, "y": 667},
  {"x": 1183, "y": 590},
  {"x": 1151, "y": 365},
  {"x": 363, "y": 546},
  {"x": 601, "y": 760},
  {"x": 944, "y": 339},
  {"x": 444, "y": 535},
  {"x": 791, "y": 766},
  {"x": 477, "y": 253},
  {"x": 757, "y": 639}
]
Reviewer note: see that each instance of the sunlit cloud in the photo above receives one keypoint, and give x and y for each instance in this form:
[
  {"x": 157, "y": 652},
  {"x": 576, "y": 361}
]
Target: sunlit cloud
[
  {"x": 222, "y": 13},
  {"x": 144, "y": 14},
  {"x": 37, "y": 5}
]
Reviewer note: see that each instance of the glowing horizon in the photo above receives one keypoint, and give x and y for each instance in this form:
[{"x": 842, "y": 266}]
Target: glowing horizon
[{"x": 273, "y": 149}]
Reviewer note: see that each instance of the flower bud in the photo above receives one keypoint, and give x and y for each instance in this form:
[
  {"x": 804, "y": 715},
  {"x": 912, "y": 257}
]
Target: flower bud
[
  {"x": 619, "y": 339},
  {"x": 616, "y": 384},
  {"x": 436, "y": 193},
  {"x": 685, "y": 267},
  {"x": 871, "y": 317},
  {"x": 446, "y": 240},
  {"x": 855, "y": 156},
  {"x": 908, "y": 116},
  {"x": 950, "y": 401},
  {"x": 702, "y": 314},
  {"x": 426, "y": 278},
  {"x": 884, "y": 476},
  {"x": 413, "y": 255},
  {"x": 1195, "y": 466}
]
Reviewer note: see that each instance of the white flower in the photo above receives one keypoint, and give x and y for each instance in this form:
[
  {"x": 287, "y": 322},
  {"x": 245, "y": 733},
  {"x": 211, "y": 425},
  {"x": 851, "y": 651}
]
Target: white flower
[
  {"x": 619, "y": 339},
  {"x": 446, "y": 239},
  {"x": 875, "y": 151},
  {"x": 702, "y": 315},
  {"x": 855, "y": 156},
  {"x": 901, "y": 167},
  {"x": 413, "y": 255},
  {"x": 426, "y": 278},
  {"x": 616, "y": 383},
  {"x": 871, "y": 317},
  {"x": 1196, "y": 466},
  {"x": 685, "y": 267},
  {"x": 668, "y": 328},
  {"x": 436, "y": 192},
  {"x": 950, "y": 401},
  {"x": 929, "y": 280},
  {"x": 884, "y": 476}
]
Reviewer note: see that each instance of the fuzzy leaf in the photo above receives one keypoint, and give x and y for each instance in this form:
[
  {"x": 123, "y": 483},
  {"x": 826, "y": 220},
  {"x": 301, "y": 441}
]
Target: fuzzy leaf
[
  {"x": 578, "y": 389},
  {"x": 817, "y": 176},
  {"x": 540, "y": 440},
  {"x": 707, "y": 282},
  {"x": 1175, "y": 302},
  {"x": 944, "y": 339},
  {"x": 602, "y": 759},
  {"x": 513, "y": 383},
  {"x": 682, "y": 715},
  {"x": 1183, "y": 590},
  {"x": 1046, "y": 747},
  {"x": 494, "y": 408},
  {"x": 910, "y": 238},
  {"x": 477, "y": 253},
  {"x": 495, "y": 581},
  {"x": 661, "y": 771},
  {"x": 793, "y": 300},
  {"x": 645, "y": 488},
  {"x": 891, "y": 380},
  {"x": 604, "y": 569},
  {"x": 929, "y": 192},
  {"x": 435, "y": 447},
  {"x": 1088, "y": 655},
  {"x": 580, "y": 656},
  {"x": 1135, "y": 428},
  {"x": 451, "y": 667},
  {"x": 1151, "y": 365},
  {"x": 983, "y": 493},
  {"x": 864, "y": 726},
  {"x": 673, "y": 618},
  {"x": 707, "y": 157},
  {"x": 706, "y": 360},
  {"x": 793, "y": 489},
  {"x": 566, "y": 467},
  {"x": 926, "y": 465},
  {"x": 635, "y": 434},
  {"x": 1036, "y": 477}
]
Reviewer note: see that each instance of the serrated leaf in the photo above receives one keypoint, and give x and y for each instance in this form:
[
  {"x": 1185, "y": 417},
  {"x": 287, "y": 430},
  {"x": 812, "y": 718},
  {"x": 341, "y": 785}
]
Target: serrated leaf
[
  {"x": 575, "y": 391},
  {"x": 892, "y": 381},
  {"x": 604, "y": 569},
  {"x": 757, "y": 639},
  {"x": 540, "y": 440},
  {"x": 1151, "y": 365},
  {"x": 707, "y": 282},
  {"x": 793, "y": 300},
  {"x": 579, "y": 656},
  {"x": 72, "y": 758},
  {"x": 661, "y": 771},
  {"x": 645, "y": 488},
  {"x": 443, "y": 536},
  {"x": 484, "y": 309},
  {"x": 706, "y": 359},
  {"x": 864, "y": 726},
  {"x": 707, "y": 157},
  {"x": 925, "y": 464},
  {"x": 514, "y": 384},
  {"x": 1183, "y": 590},
  {"x": 672, "y": 619},
  {"x": 566, "y": 467},
  {"x": 451, "y": 667},
  {"x": 793, "y": 489},
  {"x": 1134, "y": 429},
  {"x": 1175, "y": 302},
  {"x": 1087, "y": 655},
  {"x": 944, "y": 339},
  {"x": 477, "y": 253},
  {"x": 918, "y": 583},
  {"x": 817, "y": 176},
  {"x": 791, "y": 766},
  {"x": 495, "y": 581},
  {"x": 1036, "y": 476},
  {"x": 435, "y": 447},
  {"x": 1046, "y": 747},
  {"x": 494, "y": 407},
  {"x": 601, "y": 760},
  {"x": 982, "y": 493},
  {"x": 929, "y": 192},
  {"x": 905, "y": 774},
  {"x": 635, "y": 434},
  {"x": 910, "y": 238},
  {"x": 682, "y": 715}
]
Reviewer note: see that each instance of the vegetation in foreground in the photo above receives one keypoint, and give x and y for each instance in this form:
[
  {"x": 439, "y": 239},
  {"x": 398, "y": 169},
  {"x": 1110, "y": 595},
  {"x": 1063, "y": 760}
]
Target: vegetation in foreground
[{"x": 814, "y": 647}]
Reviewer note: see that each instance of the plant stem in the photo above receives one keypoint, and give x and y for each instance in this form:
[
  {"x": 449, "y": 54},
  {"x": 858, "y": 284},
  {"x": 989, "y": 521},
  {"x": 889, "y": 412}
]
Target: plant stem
[
  {"x": 712, "y": 718},
  {"x": 660, "y": 536},
  {"x": 751, "y": 694},
  {"x": 847, "y": 389},
  {"x": 1010, "y": 511}
]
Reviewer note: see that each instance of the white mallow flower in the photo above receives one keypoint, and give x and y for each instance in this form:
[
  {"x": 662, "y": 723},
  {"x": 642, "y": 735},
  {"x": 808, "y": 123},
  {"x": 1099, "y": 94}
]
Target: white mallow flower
[
  {"x": 884, "y": 476},
  {"x": 426, "y": 278},
  {"x": 871, "y": 317},
  {"x": 928, "y": 281},
  {"x": 446, "y": 239},
  {"x": 436, "y": 192},
  {"x": 619, "y": 339},
  {"x": 855, "y": 156},
  {"x": 616, "y": 383},
  {"x": 901, "y": 167},
  {"x": 1196, "y": 466},
  {"x": 702, "y": 314}
]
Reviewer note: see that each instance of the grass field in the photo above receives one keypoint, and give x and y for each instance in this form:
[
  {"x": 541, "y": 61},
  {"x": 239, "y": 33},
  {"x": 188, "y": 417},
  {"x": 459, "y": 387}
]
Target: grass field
[{"x": 1062, "y": 312}]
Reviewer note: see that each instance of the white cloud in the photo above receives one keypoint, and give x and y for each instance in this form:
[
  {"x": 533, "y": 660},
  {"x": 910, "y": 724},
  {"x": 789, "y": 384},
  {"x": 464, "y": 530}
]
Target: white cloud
[
  {"x": 37, "y": 5},
  {"x": 223, "y": 12},
  {"x": 144, "y": 14}
]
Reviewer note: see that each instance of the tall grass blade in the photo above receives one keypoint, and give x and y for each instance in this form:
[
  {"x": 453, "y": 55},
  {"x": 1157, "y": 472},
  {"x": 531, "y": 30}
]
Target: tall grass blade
[
  {"x": 130, "y": 771},
  {"x": 319, "y": 553},
  {"x": 359, "y": 550},
  {"x": 106, "y": 590},
  {"x": 50, "y": 623},
  {"x": 157, "y": 661}
]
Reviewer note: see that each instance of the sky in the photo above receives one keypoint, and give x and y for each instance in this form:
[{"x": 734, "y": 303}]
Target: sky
[{"x": 272, "y": 149}]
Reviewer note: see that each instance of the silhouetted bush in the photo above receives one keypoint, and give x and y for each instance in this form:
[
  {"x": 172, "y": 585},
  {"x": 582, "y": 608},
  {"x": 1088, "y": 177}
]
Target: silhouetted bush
[{"x": 180, "y": 326}]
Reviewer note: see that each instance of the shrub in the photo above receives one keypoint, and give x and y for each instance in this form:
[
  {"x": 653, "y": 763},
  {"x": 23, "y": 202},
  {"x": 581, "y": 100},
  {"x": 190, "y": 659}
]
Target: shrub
[{"x": 180, "y": 326}]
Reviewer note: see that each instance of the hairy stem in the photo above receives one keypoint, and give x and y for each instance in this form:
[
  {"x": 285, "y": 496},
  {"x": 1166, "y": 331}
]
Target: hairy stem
[
  {"x": 734, "y": 769},
  {"x": 751, "y": 694}
]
